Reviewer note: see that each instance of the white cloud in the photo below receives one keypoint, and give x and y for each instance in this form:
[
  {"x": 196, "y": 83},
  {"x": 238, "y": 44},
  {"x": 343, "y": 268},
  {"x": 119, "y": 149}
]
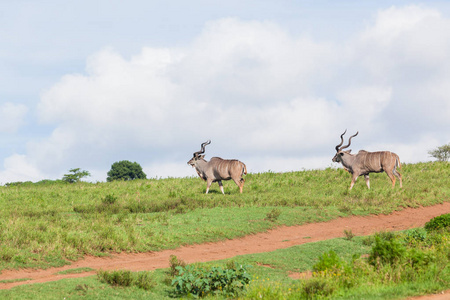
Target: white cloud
[
  {"x": 17, "y": 168},
  {"x": 367, "y": 101},
  {"x": 392, "y": 23},
  {"x": 12, "y": 116}
]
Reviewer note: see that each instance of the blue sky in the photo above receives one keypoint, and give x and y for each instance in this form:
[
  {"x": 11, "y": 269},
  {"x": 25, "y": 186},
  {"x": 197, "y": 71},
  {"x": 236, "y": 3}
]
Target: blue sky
[{"x": 273, "y": 83}]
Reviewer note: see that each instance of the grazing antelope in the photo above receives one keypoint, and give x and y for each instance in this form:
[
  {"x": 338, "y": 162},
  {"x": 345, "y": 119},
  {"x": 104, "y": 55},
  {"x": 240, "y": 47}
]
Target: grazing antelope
[
  {"x": 218, "y": 169},
  {"x": 366, "y": 162}
]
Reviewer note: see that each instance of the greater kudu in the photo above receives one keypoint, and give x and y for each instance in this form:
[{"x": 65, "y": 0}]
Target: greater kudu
[
  {"x": 366, "y": 162},
  {"x": 218, "y": 169}
]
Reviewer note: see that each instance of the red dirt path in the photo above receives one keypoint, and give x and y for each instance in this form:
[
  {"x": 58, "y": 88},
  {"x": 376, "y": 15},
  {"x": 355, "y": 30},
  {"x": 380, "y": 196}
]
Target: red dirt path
[{"x": 282, "y": 237}]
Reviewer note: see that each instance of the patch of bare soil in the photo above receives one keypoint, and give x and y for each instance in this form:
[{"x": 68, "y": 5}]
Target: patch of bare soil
[{"x": 282, "y": 237}]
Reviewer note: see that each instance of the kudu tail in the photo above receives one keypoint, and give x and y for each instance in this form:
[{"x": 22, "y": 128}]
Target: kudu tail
[
  {"x": 397, "y": 162},
  {"x": 244, "y": 169}
]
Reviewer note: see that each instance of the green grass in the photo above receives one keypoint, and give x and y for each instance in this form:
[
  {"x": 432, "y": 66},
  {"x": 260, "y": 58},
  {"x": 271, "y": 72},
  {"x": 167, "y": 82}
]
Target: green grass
[
  {"x": 15, "y": 280},
  {"x": 48, "y": 224},
  {"x": 270, "y": 274}
]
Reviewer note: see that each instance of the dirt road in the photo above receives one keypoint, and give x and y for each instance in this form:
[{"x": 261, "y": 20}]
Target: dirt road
[{"x": 282, "y": 237}]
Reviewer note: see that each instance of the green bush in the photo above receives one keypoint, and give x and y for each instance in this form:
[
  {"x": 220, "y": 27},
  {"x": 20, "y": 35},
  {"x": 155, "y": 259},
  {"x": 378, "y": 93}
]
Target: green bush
[
  {"x": 386, "y": 252},
  {"x": 119, "y": 278},
  {"x": 415, "y": 236},
  {"x": 441, "y": 222},
  {"x": 273, "y": 215},
  {"x": 124, "y": 278},
  {"x": 109, "y": 199},
  {"x": 317, "y": 288},
  {"x": 174, "y": 262},
  {"x": 328, "y": 261},
  {"x": 199, "y": 282},
  {"x": 125, "y": 170},
  {"x": 144, "y": 280}
]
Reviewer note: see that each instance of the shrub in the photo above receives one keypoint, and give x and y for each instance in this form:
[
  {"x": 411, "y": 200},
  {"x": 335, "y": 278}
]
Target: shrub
[
  {"x": 125, "y": 170},
  {"x": 199, "y": 282},
  {"x": 438, "y": 223},
  {"x": 126, "y": 278},
  {"x": 316, "y": 288},
  {"x": 144, "y": 280},
  {"x": 416, "y": 258},
  {"x": 328, "y": 261},
  {"x": 415, "y": 236},
  {"x": 109, "y": 199},
  {"x": 174, "y": 263},
  {"x": 273, "y": 215},
  {"x": 349, "y": 235},
  {"x": 386, "y": 252},
  {"x": 119, "y": 278}
]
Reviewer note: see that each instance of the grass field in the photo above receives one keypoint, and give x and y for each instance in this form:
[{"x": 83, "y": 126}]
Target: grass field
[
  {"x": 352, "y": 278},
  {"x": 48, "y": 223},
  {"x": 44, "y": 224}
]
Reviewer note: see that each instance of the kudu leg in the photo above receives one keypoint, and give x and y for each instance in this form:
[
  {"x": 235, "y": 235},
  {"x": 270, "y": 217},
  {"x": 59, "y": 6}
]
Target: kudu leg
[
  {"x": 366, "y": 177},
  {"x": 399, "y": 176},
  {"x": 221, "y": 186},
  {"x": 392, "y": 177},
  {"x": 208, "y": 185},
  {"x": 353, "y": 181},
  {"x": 239, "y": 183}
]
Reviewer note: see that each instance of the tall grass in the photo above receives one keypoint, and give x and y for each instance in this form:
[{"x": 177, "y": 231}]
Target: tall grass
[{"x": 48, "y": 223}]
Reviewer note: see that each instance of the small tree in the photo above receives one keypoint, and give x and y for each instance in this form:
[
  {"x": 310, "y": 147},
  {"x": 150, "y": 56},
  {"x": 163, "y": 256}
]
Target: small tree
[
  {"x": 75, "y": 175},
  {"x": 441, "y": 153},
  {"x": 125, "y": 170}
]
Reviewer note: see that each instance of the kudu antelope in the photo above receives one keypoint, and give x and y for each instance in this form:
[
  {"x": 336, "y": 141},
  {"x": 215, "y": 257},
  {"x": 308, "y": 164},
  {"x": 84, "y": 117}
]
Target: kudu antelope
[
  {"x": 218, "y": 169},
  {"x": 366, "y": 162}
]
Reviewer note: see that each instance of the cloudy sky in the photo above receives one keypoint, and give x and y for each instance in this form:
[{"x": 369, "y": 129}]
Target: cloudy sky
[{"x": 84, "y": 84}]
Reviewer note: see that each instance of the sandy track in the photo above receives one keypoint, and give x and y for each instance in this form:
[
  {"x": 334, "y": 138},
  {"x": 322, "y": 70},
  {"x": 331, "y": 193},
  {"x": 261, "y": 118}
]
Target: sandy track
[{"x": 282, "y": 237}]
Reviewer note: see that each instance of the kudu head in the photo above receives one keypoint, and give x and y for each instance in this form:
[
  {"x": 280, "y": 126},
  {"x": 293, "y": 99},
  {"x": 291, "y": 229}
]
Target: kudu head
[
  {"x": 198, "y": 155},
  {"x": 339, "y": 153}
]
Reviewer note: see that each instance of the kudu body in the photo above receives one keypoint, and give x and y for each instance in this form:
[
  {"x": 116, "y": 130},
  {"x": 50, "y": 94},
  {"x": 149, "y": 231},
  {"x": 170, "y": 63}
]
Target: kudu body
[
  {"x": 366, "y": 162},
  {"x": 218, "y": 169}
]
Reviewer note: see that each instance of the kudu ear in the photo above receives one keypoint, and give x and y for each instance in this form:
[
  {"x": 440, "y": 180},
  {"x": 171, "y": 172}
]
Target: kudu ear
[
  {"x": 201, "y": 156},
  {"x": 348, "y": 151}
]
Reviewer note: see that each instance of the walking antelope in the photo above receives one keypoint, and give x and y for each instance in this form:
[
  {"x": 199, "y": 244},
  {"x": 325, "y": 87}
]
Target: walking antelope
[
  {"x": 366, "y": 162},
  {"x": 218, "y": 169}
]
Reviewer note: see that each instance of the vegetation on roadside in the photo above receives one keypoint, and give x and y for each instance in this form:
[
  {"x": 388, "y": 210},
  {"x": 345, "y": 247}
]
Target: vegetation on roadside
[
  {"x": 123, "y": 278},
  {"x": 388, "y": 265},
  {"x": 396, "y": 265},
  {"x": 201, "y": 282},
  {"x": 75, "y": 271},
  {"x": 14, "y": 280}
]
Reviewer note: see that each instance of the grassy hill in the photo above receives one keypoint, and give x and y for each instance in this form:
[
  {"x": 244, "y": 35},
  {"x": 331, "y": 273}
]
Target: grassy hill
[{"x": 45, "y": 224}]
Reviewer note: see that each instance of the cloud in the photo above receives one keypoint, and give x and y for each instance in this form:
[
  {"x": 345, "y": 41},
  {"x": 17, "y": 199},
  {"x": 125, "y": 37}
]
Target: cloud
[
  {"x": 274, "y": 100},
  {"x": 231, "y": 84},
  {"x": 17, "y": 168},
  {"x": 406, "y": 51},
  {"x": 12, "y": 116}
]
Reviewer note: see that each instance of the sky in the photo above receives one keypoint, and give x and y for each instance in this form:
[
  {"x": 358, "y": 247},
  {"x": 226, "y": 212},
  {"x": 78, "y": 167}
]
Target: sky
[{"x": 84, "y": 84}]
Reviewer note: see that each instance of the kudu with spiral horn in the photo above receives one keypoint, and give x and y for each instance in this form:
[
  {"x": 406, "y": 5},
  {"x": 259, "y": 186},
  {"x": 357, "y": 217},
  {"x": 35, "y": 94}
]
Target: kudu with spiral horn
[
  {"x": 366, "y": 162},
  {"x": 217, "y": 169}
]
